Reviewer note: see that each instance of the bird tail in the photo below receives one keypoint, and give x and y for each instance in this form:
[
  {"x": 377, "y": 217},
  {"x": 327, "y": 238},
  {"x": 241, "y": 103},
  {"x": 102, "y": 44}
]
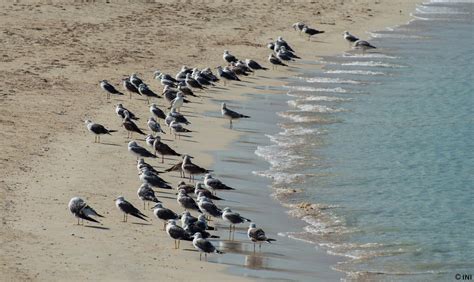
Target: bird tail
[
  {"x": 214, "y": 236},
  {"x": 140, "y": 216},
  {"x": 186, "y": 101},
  {"x": 186, "y": 130},
  {"x": 244, "y": 116},
  {"x": 166, "y": 186},
  {"x": 86, "y": 217},
  {"x": 219, "y": 252},
  {"x": 111, "y": 131},
  {"x": 264, "y": 68},
  {"x": 270, "y": 240},
  {"x": 321, "y": 31}
]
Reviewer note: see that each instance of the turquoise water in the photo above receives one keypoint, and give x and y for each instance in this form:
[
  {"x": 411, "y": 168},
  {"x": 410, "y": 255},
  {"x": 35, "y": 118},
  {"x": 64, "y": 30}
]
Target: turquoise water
[{"x": 380, "y": 146}]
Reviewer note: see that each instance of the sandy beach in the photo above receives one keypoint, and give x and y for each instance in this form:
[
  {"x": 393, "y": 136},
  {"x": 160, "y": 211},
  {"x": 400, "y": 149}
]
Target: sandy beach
[{"x": 55, "y": 53}]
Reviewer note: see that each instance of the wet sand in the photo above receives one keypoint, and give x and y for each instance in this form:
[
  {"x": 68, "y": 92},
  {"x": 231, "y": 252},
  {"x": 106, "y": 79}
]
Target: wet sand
[{"x": 51, "y": 71}]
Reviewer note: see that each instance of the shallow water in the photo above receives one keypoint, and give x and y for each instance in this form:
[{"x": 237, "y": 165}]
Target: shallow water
[{"x": 379, "y": 148}]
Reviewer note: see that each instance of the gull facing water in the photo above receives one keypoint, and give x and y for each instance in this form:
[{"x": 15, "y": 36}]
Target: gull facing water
[{"x": 231, "y": 115}]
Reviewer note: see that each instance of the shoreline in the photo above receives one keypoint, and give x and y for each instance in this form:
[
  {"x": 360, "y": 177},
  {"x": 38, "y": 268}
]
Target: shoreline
[{"x": 50, "y": 172}]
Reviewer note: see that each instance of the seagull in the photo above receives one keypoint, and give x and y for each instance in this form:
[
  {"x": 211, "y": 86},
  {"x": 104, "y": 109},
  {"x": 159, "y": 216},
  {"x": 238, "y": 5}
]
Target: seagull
[
  {"x": 146, "y": 194},
  {"x": 187, "y": 218},
  {"x": 164, "y": 214},
  {"x": 202, "y": 222},
  {"x": 142, "y": 165},
  {"x": 139, "y": 151},
  {"x": 192, "y": 83},
  {"x": 165, "y": 79},
  {"x": 311, "y": 31},
  {"x": 240, "y": 68},
  {"x": 81, "y": 210},
  {"x": 195, "y": 227},
  {"x": 275, "y": 61},
  {"x": 109, "y": 88},
  {"x": 188, "y": 188},
  {"x": 215, "y": 184},
  {"x": 208, "y": 208},
  {"x": 178, "y": 117},
  {"x": 128, "y": 208},
  {"x": 284, "y": 56},
  {"x": 280, "y": 42},
  {"x": 233, "y": 218},
  {"x": 187, "y": 202},
  {"x": 186, "y": 91},
  {"x": 362, "y": 44},
  {"x": 135, "y": 81},
  {"x": 199, "y": 188},
  {"x": 157, "y": 112},
  {"x": 146, "y": 91},
  {"x": 176, "y": 232},
  {"x": 177, "y": 103},
  {"x": 164, "y": 150},
  {"x": 349, "y": 37},
  {"x": 97, "y": 129},
  {"x": 154, "y": 126},
  {"x": 298, "y": 26},
  {"x": 227, "y": 74},
  {"x": 204, "y": 246},
  {"x": 254, "y": 65},
  {"x": 130, "y": 126},
  {"x": 178, "y": 128},
  {"x": 154, "y": 180},
  {"x": 231, "y": 115},
  {"x": 288, "y": 53},
  {"x": 127, "y": 85},
  {"x": 120, "y": 109},
  {"x": 257, "y": 235},
  {"x": 228, "y": 57},
  {"x": 176, "y": 167},
  {"x": 189, "y": 168},
  {"x": 208, "y": 73}
]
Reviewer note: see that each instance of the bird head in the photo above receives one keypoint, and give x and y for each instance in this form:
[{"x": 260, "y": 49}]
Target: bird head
[
  {"x": 132, "y": 144},
  {"x": 197, "y": 235},
  {"x": 252, "y": 225},
  {"x": 223, "y": 105},
  {"x": 157, "y": 206}
]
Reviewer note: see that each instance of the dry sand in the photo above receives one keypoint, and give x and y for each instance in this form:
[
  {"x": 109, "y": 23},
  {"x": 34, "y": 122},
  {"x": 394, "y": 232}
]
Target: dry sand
[{"x": 53, "y": 55}]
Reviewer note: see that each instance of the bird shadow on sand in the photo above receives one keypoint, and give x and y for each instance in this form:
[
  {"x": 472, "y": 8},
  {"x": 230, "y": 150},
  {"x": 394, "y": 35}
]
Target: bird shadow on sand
[
  {"x": 188, "y": 140},
  {"x": 111, "y": 144},
  {"x": 97, "y": 227},
  {"x": 167, "y": 197},
  {"x": 141, "y": 223}
]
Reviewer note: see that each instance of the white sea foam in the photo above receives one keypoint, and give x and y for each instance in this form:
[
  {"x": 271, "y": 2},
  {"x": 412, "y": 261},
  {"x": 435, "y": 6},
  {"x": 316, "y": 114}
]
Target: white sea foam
[
  {"x": 299, "y": 131},
  {"x": 368, "y": 55},
  {"x": 318, "y": 109},
  {"x": 371, "y": 64},
  {"x": 313, "y": 89},
  {"x": 361, "y": 72},
  {"x": 330, "y": 80},
  {"x": 394, "y": 35},
  {"x": 280, "y": 177}
]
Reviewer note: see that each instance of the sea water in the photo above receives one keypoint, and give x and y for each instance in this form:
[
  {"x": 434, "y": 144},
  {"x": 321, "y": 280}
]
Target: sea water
[{"x": 377, "y": 150}]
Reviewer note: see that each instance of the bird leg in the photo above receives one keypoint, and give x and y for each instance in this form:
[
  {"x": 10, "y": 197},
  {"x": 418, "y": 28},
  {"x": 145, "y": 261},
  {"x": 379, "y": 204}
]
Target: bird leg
[
  {"x": 230, "y": 126},
  {"x": 164, "y": 225},
  {"x": 98, "y": 138},
  {"x": 260, "y": 247},
  {"x": 78, "y": 221},
  {"x": 205, "y": 255},
  {"x": 254, "y": 247},
  {"x": 179, "y": 241},
  {"x": 200, "y": 255},
  {"x": 162, "y": 158}
]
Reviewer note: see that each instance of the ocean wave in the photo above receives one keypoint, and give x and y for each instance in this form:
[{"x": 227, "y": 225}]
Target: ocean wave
[
  {"x": 371, "y": 64},
  {"x": 434, "y": 9},
  {"x": 295, "y": 117},
  {"x": 330, "y": 80},
  {"x": 368, "y": 55},
  {"x": 394, "y": 35},
  {"x": 278, "y": 158},
  {"x": 361, "y": 72},
  {"x": 299, "y": 131},
  {"x": 313, "y": 89},
  {"x": 318, "y": 109},
  {"x": 280, "y": 177}
]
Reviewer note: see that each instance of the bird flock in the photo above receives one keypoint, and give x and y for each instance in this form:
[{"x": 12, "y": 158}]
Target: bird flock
[{"x": 194, "y": 197}]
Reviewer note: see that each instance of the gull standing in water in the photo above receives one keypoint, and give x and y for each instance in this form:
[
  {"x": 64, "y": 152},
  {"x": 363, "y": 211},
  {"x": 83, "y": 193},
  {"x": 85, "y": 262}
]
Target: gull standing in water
[
  {"x": 363, "y": 45},
  {"x": 189, "y": 168},
  {"x": 128, "y": 209},
  {"x": 97, "y": 129},
  {"x": 139, "y": 151},
  {"x": 231, "y": 115},
  {"x": 233, "y": 218},
  {"x": 164, "y": 214},
  {"x": 257, "y": 235},
  {"x": 146, "y": 194},
  {"x": 109, "y": 88},
  {"x": 80, "y": 209},
  {"x": 349, "y": 37},
  {"x": 204, "y": 246}
]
